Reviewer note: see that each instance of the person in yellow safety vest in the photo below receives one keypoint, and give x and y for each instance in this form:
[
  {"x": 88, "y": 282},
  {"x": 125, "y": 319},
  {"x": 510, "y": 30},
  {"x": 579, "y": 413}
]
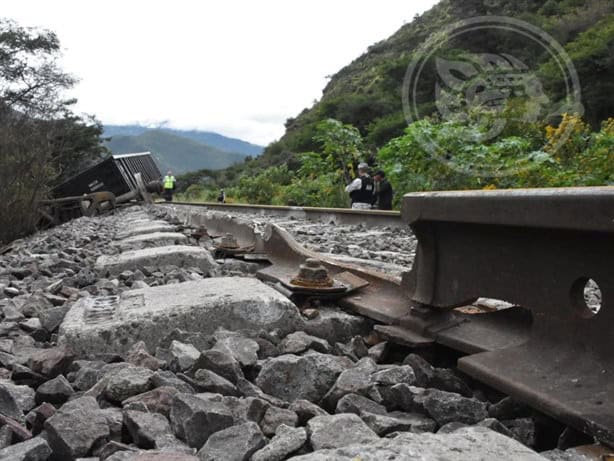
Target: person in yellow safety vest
[{"x": 168, "y": 186}]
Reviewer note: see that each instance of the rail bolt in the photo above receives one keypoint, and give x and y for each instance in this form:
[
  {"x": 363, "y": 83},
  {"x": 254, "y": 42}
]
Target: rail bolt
[
  {"x": 200, "y": 232},
  {"x": 312, "y": 274}
]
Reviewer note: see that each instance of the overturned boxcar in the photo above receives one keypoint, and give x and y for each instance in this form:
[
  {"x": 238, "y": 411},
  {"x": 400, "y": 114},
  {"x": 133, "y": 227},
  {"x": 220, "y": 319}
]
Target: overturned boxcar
[
  {"x": 115, "y": 174},
  {"x": 117, "y": 179}
]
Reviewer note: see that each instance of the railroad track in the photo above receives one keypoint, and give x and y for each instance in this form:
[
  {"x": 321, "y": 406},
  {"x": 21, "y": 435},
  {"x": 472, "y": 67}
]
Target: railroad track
[
  {"x": 336, "y": 216},
  {"x": 540, "y": 249}
]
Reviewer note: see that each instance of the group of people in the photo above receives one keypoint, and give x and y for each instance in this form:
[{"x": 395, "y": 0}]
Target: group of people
[{"x": 368, "y": 192}]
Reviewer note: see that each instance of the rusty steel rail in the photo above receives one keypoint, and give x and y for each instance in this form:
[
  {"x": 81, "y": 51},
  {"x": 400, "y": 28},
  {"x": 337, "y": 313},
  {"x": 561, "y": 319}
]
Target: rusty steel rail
[
  {"x": 334, "y": 216},
  {"x": 536, "y": 248}
]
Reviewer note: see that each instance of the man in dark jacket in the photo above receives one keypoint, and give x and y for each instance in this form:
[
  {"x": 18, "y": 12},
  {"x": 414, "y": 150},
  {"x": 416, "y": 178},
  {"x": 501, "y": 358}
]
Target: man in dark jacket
[
  {"x": 383, "y": 192},
  {"x": 361, "y": 189}
]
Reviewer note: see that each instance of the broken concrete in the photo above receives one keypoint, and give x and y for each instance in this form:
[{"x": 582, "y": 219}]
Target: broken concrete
[
  {"x": 155, "y": 239},
  {"x": 146, "y": 227},
  {"x": 175, "y": 255},
  {"x": 467, "y": 444},
  {"x": 115, "y": 323}
]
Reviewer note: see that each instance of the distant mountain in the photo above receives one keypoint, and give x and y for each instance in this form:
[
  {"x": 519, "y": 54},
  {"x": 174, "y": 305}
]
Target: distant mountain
[
  {"x": 206, "y": 137},
  {"x": 172, "y": 152}
]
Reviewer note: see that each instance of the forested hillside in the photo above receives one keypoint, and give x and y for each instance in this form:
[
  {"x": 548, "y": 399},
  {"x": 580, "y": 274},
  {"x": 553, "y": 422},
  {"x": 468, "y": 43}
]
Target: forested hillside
[
  {"x": 367, "y": 92},
  {"x": 42, "y": 141},
  {"x": 360, "y": 114}
]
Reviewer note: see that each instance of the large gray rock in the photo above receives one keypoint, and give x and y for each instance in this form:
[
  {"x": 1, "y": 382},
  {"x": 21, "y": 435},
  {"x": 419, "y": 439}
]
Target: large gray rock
[
  {"x": 56, "y": 391},
  {"x": 151, "y": 455},
  {"x": 445, "y": 407},
  {"x": 21, "y": 394},
  {"x": 508, "y": 408},
  {"x": 220, "y": 361},
  {"x": 305, "y": 410},
  {"x": 175, "y": 255},
  {"x": 287, "y": 440},
  {"x": 113, "y": 324},
  {"x": 468, "y": 444},
  {"x": 9, "y": 404},
  {"x": 438, "y": 378},
  {"x": 523, "y": 429},
  {"x": 127, "y": 382},
  {"x": 249, "y": 389},
  {"x": 145, "y": 428},
  {"x": 446, "y": 380},
  {"x": 394, "y": 375},
  {"x": 36, "y": 449},
  {"x": 496, "y": 425},
  {"x": 246, "y": 409},
  {"x": 115, "y": 421},
  {"x": 338, "y": 431},
  {"x": 194, "y": 419},
  {"x": 51, "y": 362},
  {"x": 299, "y": 341},
  {"x": 237, "y": 443},
  {"x": 355, "y": 380},
  {"x": 76, "y": 429},
  {"x": 383, "y": 424},
  {"x": 403, "y": 397},
  {"x": 291, "y": 377},
  {"x": 158, "y": 400},
  {"x": 169, "y": 379},
  {"x": 6, "y": 436},
  {"x": 335, "y": 325},
  {"x": 275, "y": 417},
  {"x": 52, "y": 318},
  {"x": 37, "y": 417},
  {"x": 139, "y": 356},
  {"x": 243, "y": 350},
  {"x": 183, "y": 355},
  {"x": 423, "y": 370},
  {"x": 358, "y": 404},
  {"x": 571, "y": 454},
  {"x": 208, "y": 381}
]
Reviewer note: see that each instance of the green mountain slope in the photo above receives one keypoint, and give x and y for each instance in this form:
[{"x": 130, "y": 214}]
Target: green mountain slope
[
  {"x": 175, "y": 153},
  {"x": 367, "y": 92},
  {"x": 209, "y": 138}
]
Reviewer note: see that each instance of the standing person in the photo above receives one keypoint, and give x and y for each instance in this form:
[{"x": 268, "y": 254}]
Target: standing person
[
  {"x": 222, "y": 197},
  {"x": 383, "y": 191},
  {"x": 361, "y": 189},
  {"x": 168, "y": 186}
]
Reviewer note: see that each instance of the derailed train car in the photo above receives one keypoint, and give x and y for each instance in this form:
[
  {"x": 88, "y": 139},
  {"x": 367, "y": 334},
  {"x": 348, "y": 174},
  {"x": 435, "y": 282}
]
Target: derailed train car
[
  {"x": 117, "y": 179},
  {"x": 115, "y": 174}
]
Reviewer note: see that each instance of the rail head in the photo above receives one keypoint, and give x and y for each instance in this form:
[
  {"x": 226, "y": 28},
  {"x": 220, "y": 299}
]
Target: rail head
[
  {"x": 573, "y": 208},
  {"x": 337, "y": 216},
  {"x": 540, "y": 249},
  {"x": 306, "y": 209}
]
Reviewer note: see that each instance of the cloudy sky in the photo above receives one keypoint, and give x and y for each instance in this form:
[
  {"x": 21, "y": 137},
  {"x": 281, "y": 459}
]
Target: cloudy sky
[{"x": 238, "y": 67}]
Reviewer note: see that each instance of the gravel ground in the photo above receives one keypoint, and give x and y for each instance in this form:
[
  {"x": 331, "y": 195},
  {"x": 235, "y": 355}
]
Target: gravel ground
[{"x": 327, "y": 391}]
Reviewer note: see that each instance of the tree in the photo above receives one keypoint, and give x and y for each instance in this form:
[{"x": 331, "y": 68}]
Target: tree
[
  {"x": 341, "y": 146},
  {"x": 31, "y": 81},
  {"x": 41, "y": 140}
]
